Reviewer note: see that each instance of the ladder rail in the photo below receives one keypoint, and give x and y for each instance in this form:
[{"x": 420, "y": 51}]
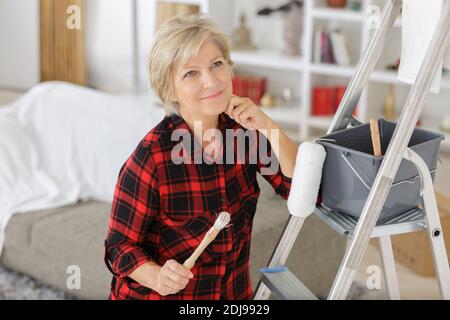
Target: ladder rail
[
  {"x": 390, "y": 273},
  {"x": 395, "y": 152},
  {"x": 433, "y": 225},
  {"x": 281, "y": 253}
]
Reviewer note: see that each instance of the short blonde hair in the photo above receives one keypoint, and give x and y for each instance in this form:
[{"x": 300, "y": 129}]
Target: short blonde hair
[{"x": 177, "y": 40}]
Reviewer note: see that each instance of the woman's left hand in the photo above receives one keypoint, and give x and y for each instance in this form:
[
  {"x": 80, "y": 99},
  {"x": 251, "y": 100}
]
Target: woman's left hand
[{"x": 244, "y": 111}]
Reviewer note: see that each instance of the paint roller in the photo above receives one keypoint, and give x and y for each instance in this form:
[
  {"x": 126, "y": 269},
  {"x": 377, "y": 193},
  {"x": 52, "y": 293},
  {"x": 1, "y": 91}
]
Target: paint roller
[{"x": 306, "y": 179}]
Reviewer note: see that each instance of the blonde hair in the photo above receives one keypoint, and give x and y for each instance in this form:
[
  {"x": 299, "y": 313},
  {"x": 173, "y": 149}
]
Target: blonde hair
[{"x": 177, "y": 40}]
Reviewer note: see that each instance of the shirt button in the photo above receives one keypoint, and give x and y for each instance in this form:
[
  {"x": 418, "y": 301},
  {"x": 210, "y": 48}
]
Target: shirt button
[{"x": 221, "y": 199}]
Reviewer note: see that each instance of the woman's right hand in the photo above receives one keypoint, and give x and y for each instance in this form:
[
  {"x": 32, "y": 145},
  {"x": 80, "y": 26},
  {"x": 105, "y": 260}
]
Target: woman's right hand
[
  {"x": 172, "y": 277},
  {"x": 168, "y": 279}
]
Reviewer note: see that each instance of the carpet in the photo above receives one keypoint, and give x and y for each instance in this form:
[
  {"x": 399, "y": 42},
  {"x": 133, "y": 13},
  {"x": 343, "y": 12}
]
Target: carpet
[{"x": 17, "y": 286}]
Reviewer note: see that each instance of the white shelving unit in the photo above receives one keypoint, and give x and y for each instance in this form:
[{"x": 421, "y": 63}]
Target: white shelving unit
[
  {"x": 339, "y": 14},
  {"x": 269, "y": 60},
  {"x": 309, "y": 73}
]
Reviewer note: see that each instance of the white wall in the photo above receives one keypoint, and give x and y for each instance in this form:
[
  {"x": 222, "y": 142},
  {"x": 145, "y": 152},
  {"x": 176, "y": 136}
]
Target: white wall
[
  {"x": 19, "y": 43},
  {"x": 108, "y": 35},
  {"x": 147, "y": 27},
  {"x": 108, "y": 44}
]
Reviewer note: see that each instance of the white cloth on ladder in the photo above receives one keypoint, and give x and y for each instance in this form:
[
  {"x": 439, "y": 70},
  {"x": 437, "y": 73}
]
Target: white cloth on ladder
[{"x": 419, "y": 21}]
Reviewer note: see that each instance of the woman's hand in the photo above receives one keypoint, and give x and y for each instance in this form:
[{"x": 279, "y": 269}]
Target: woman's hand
[
  {"x": 172, "y": 277},
  {"x": 247, "y": 114},
  {"x": 168, "y": 279}
]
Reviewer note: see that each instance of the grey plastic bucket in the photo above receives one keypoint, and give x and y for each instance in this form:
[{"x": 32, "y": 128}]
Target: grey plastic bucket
[{"x": 350, "y": 169}]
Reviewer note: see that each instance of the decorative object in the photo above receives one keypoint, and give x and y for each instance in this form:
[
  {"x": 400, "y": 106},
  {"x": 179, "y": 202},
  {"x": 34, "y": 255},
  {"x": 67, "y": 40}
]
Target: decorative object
[
  {"x": 354, "y": 5},
  {"x": 337, "y": 3},
  {"x": 267, "y": 100},
  {"x": 286, "y": 97},
  {"x": 242, "y": 36},
  {"x": 326, "y": 100},
  {"x": 323, "y": 100},
  {"x": 249, "y": 86},
  {"x": 292, "y": 25},
  {"x": 445, "y": 125}
]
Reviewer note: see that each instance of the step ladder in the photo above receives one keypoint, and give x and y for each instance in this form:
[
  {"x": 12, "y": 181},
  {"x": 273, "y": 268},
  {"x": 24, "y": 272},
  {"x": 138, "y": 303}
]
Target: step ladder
[{"x": 277, "y": 279}]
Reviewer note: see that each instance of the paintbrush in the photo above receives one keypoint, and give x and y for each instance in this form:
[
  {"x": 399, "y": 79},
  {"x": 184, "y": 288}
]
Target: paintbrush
[{"x": 222, "y": 220}]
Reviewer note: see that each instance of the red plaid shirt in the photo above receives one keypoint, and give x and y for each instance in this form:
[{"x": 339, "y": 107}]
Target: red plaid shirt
[{"x": 161, "y": 210}]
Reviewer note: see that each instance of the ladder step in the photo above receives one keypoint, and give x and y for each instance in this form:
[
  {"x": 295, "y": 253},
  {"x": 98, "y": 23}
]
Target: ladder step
[
  {"x": 344, "y": 224},
  {"x": 286, "y": 286}
]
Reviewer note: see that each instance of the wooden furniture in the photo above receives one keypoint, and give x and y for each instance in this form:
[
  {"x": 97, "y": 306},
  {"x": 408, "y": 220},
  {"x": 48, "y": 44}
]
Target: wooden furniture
[{"x": 61, "y": 48}]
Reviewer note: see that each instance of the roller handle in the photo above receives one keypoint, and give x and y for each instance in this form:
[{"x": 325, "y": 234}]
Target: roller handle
[{"x": 375, "y": 134}]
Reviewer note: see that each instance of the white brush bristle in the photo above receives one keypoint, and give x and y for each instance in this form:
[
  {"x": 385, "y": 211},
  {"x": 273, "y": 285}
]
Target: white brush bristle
[{"x": 222, "y": 220}]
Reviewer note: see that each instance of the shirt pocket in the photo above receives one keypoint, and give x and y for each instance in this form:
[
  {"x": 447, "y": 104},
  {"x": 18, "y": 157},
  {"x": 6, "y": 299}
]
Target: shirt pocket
[
  {"x": 181, "y": 234},
  {"x": 245, "y": 177}
]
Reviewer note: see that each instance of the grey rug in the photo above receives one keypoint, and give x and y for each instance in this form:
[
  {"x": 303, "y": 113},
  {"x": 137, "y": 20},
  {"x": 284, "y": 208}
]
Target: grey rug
[{"x": 16, "y": 286}]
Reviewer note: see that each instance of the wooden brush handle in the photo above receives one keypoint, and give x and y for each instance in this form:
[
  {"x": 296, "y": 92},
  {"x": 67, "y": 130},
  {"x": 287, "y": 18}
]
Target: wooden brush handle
[
  {"x": 207, "y": 239},
  {"x": 375, "y": 134}
]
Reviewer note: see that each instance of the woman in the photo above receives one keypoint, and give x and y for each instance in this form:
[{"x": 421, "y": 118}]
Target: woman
[{"x": 162, "y": 206}]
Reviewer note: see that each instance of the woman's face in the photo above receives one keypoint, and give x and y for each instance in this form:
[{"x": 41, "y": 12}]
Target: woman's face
[{"x": 203, "y": 86}]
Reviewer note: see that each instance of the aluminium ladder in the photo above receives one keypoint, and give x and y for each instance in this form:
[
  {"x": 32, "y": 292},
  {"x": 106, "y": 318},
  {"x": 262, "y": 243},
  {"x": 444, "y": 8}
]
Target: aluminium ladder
[{"x": 277, "y": 279}]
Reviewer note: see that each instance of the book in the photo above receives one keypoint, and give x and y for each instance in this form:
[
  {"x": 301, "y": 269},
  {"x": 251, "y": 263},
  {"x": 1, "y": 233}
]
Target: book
[
  {"x": 317, "y": 45},
  {"x": 340, "y": 49}
]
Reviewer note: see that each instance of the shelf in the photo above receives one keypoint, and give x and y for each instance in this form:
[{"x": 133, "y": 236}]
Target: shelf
[
  {"x": 385, "y": 77},
  {"x": 391, "y": 77},
  {"x": 332, "y": 69},
  {"x": 321, "y": 122},
  {"x": 267, "y": 59},
  {"x": 284, "y": 114},
  {"x": 338, "y": 14},
  {"x": 189, "y": 2},
  {"x": 376, "y": 76}
]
